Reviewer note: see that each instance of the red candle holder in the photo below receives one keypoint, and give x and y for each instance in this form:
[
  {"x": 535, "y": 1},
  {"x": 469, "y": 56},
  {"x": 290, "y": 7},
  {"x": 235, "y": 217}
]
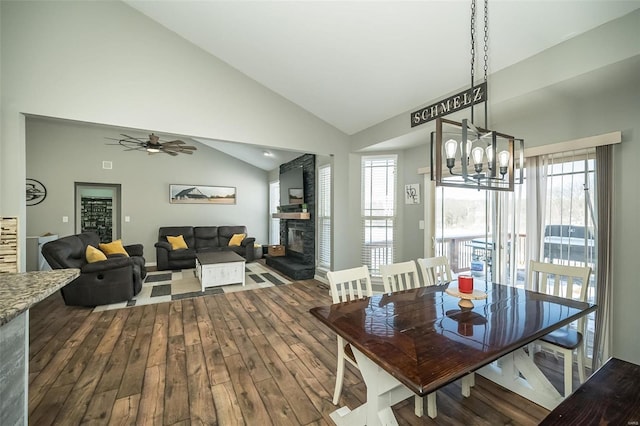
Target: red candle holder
[{"x": 465, "y": 284}]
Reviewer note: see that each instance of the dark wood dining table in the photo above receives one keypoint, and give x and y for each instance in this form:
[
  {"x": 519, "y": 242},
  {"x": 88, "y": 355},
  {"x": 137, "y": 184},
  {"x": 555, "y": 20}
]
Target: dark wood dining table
[{"x": 416, "y": 341}]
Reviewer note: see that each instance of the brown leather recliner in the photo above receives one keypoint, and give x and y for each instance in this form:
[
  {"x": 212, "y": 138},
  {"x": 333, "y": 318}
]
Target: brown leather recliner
[{"x": 116, "y": 279}]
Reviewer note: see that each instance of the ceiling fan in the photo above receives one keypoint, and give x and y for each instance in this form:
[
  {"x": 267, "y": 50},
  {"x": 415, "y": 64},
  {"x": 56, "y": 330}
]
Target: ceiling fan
[{"x": 153, "y": 145}]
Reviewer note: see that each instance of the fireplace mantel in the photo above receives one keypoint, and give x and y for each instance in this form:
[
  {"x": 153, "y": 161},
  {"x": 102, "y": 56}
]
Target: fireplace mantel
[{"x": 294, "y": 215}]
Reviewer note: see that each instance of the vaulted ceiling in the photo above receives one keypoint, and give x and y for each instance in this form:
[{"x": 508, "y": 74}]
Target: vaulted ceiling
[{"x": 357, "y": 63}]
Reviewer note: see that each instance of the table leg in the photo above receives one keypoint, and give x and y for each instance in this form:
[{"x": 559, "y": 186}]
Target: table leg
[
  {"x": 383, "y": 391},
  {"x": 517, "y": 372},
  {"x": 468, "y": 382}
]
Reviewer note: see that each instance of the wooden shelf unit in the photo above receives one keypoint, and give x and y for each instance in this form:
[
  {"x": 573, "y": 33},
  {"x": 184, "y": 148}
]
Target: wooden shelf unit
[
  {"x": 9, "y": 244},
  {"x": 294, "y": 215},
  {"x": 96, "y": 217}
]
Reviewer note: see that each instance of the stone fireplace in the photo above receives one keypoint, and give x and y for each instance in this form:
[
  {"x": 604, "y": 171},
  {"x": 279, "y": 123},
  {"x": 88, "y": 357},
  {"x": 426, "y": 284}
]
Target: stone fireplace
[{"x": 298, "y": 235}]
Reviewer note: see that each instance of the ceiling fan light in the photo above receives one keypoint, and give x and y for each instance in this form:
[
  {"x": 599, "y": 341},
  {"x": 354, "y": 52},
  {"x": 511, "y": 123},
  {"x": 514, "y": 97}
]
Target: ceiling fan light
[{"x": 153, "y": 150}]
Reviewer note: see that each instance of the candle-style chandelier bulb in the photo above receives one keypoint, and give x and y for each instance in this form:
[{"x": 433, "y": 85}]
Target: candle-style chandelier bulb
[
  {"x": 469, "y": 145},
  {"x": 489, "y": 151},
  {"x": 503, "y": 161},
  {"x": 477, "y": 155},
  {"x": 450, "y": 148}
]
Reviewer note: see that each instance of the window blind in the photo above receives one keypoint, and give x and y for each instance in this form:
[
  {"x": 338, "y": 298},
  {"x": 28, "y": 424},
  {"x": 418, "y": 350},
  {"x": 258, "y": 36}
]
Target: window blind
[
  {"x": 274, "y": 202},
  {"x": 324, "y": 216},
  {"x": 378, "y": 211}
]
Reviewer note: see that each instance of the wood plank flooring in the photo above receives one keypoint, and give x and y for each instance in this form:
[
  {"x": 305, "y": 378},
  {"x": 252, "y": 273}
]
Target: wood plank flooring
[{"x": 254, "y": 357}]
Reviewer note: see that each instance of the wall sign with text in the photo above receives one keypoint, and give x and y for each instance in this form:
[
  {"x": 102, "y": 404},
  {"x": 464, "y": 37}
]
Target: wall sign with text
[{"x": 469, "y": 97}]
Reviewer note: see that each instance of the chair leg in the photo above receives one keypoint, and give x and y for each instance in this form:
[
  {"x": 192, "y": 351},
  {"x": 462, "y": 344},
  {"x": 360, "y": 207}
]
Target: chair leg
[
  {"x": 568, "y": 373},
  {"x": 580, "y": 355},
  {"x": 432, "y": 408},
  {"x": 339, "y": 373},
  {"x": 419, "y": 405}
]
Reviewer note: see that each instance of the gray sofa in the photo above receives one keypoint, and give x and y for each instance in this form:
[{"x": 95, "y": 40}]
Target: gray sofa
[
  {"x": 116, "y": 279},
  {"x": 199, "y": 239}
]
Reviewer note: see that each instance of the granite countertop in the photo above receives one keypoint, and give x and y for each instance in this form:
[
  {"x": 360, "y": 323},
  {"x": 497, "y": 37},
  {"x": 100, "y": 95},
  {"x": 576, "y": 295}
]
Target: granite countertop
[{"x": 19, "y": 292}]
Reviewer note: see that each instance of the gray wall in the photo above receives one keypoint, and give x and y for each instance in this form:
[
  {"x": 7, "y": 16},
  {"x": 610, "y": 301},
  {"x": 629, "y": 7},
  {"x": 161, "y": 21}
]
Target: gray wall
[
  {"x": 63, "y": 59},
  {"x": 556, "y": 114},
  {"x": 60, "y": 153},
  {"x": 412, "y": 236},
  {"x": 594, "y": 89}
]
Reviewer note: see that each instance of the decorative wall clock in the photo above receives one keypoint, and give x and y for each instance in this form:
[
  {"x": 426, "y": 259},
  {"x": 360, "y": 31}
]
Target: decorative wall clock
[{"x": 36, "y": 192}]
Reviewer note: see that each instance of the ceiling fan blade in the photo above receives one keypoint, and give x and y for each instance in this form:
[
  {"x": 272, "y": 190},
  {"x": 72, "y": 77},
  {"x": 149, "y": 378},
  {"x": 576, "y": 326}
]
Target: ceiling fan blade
[
  {"x": 152, "y": 145},
  {"x": 133, "y": 139}
]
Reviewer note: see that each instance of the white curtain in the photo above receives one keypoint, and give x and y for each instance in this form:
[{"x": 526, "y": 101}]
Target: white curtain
[
  {"x": 536, "y": 169},
  {"x": 604, "y": 200}
]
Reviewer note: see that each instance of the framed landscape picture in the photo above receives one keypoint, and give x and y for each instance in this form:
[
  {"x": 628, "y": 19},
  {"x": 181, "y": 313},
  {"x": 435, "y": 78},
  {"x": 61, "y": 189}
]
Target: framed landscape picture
[
  {"x": 202, "y": 194},
  {"x": 296, "y": 195}
]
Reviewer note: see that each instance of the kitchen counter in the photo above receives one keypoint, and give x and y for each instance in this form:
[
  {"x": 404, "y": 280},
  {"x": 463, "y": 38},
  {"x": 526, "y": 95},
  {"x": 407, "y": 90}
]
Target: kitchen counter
[{"x": 18, "y": 293}]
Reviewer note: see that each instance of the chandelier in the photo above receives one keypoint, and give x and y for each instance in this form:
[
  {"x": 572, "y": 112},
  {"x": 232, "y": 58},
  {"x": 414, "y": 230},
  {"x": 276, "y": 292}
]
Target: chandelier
[{"x": 468, "y": 156}]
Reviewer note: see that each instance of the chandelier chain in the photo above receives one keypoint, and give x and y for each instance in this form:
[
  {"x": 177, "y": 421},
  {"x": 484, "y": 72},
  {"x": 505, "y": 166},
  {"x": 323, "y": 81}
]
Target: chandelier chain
[
  {"x": 473, "y": 48},
  {"x": 473, "y": 40},
  {"x": 486, "y": 58},
  {"x": 486, "y": 38}
]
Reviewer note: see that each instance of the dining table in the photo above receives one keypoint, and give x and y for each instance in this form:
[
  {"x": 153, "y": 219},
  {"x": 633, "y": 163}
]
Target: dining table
[{"x": 415, "y": 341}]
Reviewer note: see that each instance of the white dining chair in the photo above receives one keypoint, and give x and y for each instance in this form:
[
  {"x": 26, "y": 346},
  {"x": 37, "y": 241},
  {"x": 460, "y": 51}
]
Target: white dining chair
[
  {"x": 571, "y": 282},
  {"x": 398, "y": 277},
  {"x": 435, "y": 270},
  {"x": 346, "y": 285}
]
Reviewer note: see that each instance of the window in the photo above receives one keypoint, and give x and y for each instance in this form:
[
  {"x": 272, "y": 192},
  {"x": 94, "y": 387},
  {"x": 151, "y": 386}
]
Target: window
[
  {"x": 378, "y": 211},
  {"x": 569, "y": 236},
  {"x": 462, "y": 230},
  {"x": 324, "y": 217},
  {"x": 274, "y": 202}
]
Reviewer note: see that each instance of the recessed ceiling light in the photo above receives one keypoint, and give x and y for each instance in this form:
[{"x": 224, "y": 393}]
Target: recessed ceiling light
[{"x": 267, "y": 154}]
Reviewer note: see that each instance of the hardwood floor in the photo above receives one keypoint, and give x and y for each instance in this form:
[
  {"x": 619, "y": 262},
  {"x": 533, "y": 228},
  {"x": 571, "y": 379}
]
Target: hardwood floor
[{"x": 254, "y": 357}]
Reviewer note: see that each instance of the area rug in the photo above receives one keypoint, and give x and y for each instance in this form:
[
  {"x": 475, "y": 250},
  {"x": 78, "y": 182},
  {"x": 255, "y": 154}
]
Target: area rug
[{"x": 165, "y": 286}]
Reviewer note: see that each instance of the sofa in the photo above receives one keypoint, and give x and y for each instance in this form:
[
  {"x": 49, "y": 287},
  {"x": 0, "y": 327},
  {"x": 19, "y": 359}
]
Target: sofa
[
  {"x": 116, "y": 279},
  {"x": 199, "y": 239}
]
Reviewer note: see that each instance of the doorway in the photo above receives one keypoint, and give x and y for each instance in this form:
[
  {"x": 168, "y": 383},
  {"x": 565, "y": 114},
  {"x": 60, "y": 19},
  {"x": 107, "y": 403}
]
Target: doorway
[{"x": 98, "y": 209}]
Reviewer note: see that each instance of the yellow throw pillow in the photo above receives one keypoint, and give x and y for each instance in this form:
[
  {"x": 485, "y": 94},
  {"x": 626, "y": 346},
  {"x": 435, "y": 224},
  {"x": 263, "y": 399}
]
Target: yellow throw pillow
[
  {"x": 177, "y": 242},
  {"x": 94, "y": 255},
  {"x": 236, "y": 239},
  {"x": 114, "y": 247}
]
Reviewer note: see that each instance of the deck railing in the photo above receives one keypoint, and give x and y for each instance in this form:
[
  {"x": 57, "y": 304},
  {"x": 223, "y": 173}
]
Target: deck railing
[
  {"x": 463, "y": 249},
  {"x": 460, "y": 250}
]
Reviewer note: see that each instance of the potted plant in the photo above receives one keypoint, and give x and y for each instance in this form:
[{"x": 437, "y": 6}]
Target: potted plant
[{"x": 304, "y": 207}]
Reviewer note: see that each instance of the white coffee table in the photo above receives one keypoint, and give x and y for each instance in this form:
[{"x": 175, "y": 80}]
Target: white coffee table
[{"x": 219, "y": 268}]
